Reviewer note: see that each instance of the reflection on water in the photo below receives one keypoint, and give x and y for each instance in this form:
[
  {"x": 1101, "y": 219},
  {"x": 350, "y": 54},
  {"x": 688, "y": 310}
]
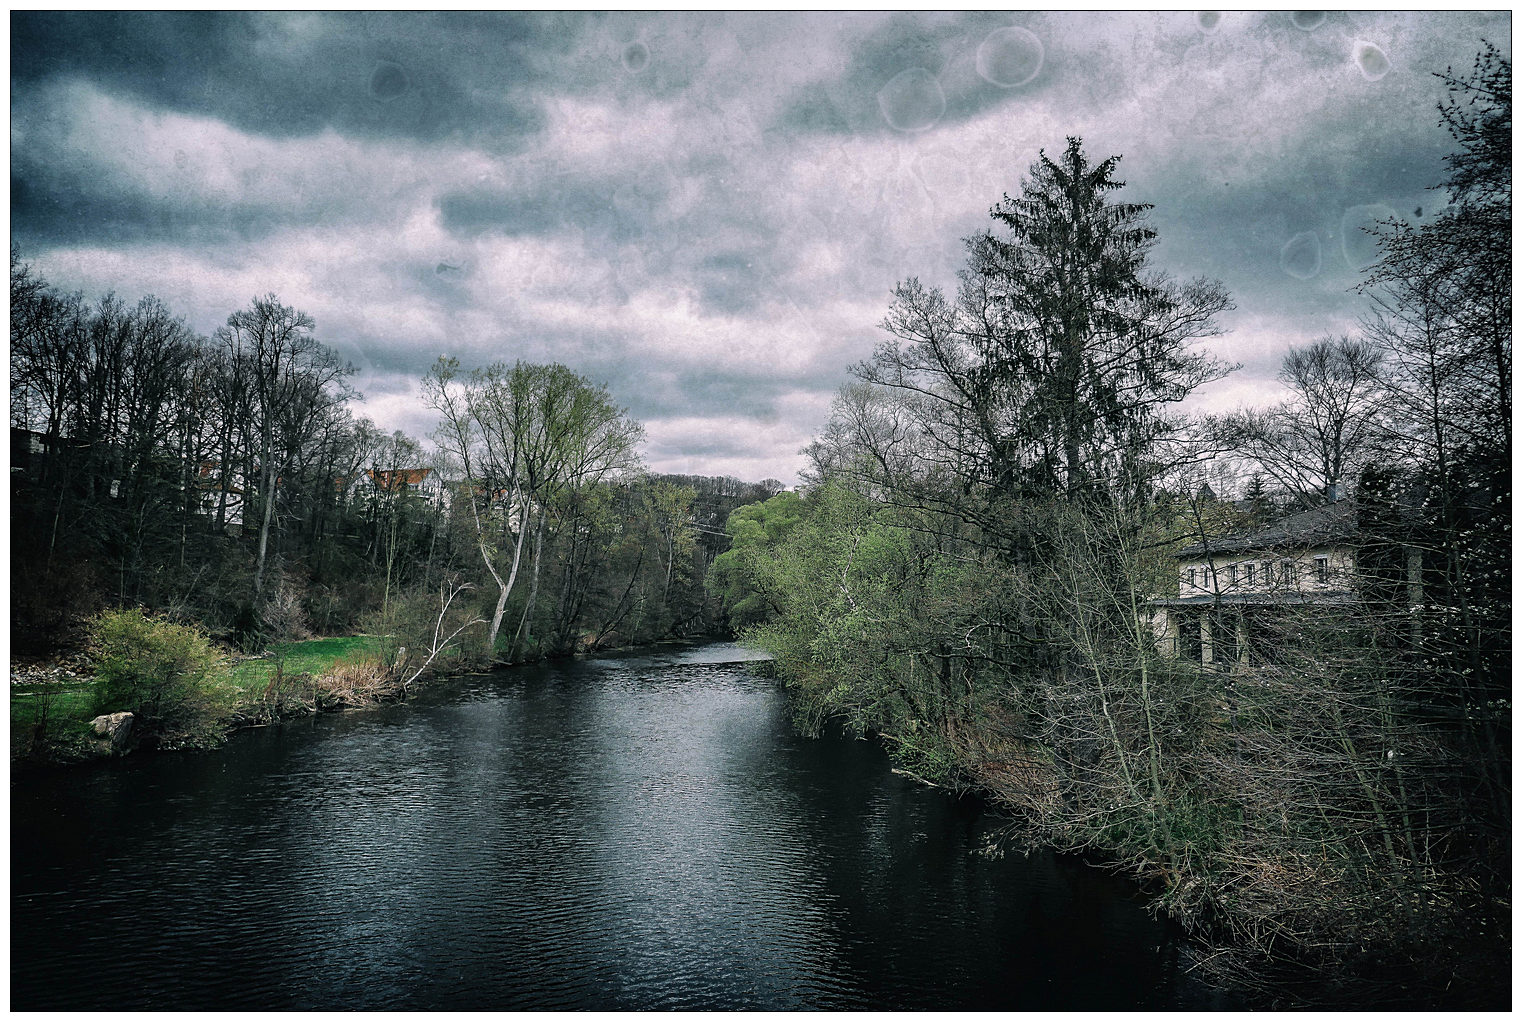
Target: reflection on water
[{"x": 636, "y": 832}]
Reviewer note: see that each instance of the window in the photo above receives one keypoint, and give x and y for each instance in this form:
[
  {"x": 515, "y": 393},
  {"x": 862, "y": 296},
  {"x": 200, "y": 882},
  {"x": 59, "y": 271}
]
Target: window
[
  {"x": 1231, "y": 574},
  {"x": 1323, "y": 570},
  {"x": 1252, "y": 570},
  {"x": 1190, "y": 576},
  {"x": 1287, "y": 574}
]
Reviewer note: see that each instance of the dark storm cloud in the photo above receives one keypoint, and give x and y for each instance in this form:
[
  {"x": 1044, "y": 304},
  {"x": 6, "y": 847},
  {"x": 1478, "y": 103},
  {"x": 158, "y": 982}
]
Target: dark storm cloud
[
  {"x": 706, "y": 212},
  {"x": 418, "y": 78},
  {"x": 45, "y": 211},
  {"x": 375, "y": 74},
  {"x": 89, "y": 166},
  {"x": 49, "y": 209},
  {"x": 474, "y": 212},
  {"x": 1312, "y": 191},
  {"x": 917, "y": 71}
]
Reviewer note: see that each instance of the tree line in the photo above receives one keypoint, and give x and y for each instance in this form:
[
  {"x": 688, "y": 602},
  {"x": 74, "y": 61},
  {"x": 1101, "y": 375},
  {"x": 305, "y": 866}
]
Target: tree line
[
  {"x": 227, "y": 481},
  {"x": 1002, "y": 493}
]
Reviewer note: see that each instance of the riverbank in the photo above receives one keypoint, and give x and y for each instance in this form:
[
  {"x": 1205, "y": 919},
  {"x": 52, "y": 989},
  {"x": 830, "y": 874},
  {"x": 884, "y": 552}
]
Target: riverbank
[
  {"x": 1457, "y": 958},
  {"x": 53, "y": 703}
]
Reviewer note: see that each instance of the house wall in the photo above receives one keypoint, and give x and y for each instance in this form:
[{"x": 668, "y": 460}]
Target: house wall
[
  {"x": 1221, "y": 637},
  {"x": 1217, "y": 575}
]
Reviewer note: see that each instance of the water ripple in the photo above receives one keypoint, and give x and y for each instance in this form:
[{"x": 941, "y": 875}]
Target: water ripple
[{"x": 643, "y": 832}]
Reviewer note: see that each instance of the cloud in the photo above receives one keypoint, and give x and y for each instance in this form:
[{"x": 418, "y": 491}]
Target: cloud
[
  {"x": 914, "y": 72},
  {"x": 708, "y": 213},
  {"x": 80, "y": 153},
  {"x": 420, "y": 77}
]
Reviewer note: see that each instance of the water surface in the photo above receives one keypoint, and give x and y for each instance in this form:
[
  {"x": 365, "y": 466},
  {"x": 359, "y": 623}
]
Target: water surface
[{"x": 636, "y": 832}]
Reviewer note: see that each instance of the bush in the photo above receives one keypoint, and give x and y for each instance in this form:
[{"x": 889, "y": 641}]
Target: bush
[
  {"x": 408, "y": 632},
  {"x": 357, "y": 683},
  {"x": 283, "y": 618},
  {"x": 168, "y": 676}
]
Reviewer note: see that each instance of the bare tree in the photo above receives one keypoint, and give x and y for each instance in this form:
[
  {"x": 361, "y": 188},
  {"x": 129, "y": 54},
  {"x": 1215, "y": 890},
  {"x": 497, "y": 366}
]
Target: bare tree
[
  {"x": 525, "y": 434},
  {"x": 289, "y": 374},
  {"x": 1319, "y": 438}
]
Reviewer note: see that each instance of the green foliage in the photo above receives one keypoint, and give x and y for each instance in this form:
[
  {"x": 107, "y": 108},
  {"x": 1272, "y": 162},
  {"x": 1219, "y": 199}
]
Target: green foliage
[
  {"x": 856, "y": 627},
  {"x": 168, "y": 676},
  {"x": 739, "y": 575}
]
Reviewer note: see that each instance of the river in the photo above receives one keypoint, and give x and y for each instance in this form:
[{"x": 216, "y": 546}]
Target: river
[{"x": 642, "y": 831}]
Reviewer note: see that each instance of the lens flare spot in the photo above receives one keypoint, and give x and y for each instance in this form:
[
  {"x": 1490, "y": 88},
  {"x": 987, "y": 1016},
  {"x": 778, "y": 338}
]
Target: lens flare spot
[
  {"x": 1301, "y": 256},
  {"x": 1371, "y": 60},
  {"x": 1008, "y": 57},
  {"x": 1307, "y": 21},
  {"x": 1207, "y": 21},
  {"x": 388, "y": 81},
  {"x": 636, "y": 57},
  {"x": 912, "y": 100}
]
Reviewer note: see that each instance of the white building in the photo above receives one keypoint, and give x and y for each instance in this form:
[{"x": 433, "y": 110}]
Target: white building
[{"x": 1230, "y": 588}]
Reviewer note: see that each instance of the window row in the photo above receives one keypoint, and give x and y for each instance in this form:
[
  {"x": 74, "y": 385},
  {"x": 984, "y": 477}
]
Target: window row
[{"x": 1252, "y": 573}]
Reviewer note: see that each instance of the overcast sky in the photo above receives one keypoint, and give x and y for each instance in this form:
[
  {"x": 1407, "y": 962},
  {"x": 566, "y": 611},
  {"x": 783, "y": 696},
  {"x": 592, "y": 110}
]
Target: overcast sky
[{"x": 706, "y": 212}]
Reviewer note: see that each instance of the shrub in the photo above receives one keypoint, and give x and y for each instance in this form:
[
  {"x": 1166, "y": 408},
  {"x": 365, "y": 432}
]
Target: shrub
[
  {"x": 283, "y": 618},
  {"x": 357, "y": 683},
  {"x": 168, "y": 676},
  {"x": 408, "y": 632}
]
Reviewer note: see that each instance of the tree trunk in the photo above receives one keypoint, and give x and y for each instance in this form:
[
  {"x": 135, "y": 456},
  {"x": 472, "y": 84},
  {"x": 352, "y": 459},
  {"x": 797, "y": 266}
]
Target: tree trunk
[
  {"x": 264, "y": 528},
  {"x": 526, "y": 622},
  {"x": 503, "y": 588}
]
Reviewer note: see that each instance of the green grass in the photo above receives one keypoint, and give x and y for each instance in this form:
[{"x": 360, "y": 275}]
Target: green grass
[
  {"x": 73, "y": 703},
  {"x": 73, "y": 707},
  {"x": 314, "y": 656}
]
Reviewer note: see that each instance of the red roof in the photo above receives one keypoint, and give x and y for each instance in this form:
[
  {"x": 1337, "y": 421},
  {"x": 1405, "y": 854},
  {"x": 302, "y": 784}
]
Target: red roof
[{"x": 398, "y": 478}]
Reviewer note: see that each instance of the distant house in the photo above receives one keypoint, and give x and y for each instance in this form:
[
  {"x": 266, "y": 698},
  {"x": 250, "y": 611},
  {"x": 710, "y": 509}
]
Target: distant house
[
  {"x": 424, "y": 482},
  {"x": 31, "y": 453},
  {"x": 208, "y": 483},
  {"x": 1232, "y": 590},
  {"x": 31, "y": 450}
]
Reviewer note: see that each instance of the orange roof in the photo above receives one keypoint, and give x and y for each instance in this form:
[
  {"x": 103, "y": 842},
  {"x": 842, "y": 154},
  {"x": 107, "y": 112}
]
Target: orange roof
[{"x": 391, "y": 479}]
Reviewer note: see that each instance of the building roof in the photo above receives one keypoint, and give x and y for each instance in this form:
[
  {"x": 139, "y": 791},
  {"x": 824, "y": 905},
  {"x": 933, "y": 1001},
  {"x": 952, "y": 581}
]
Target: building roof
[
  {"x": 1317, "y": 526},
  {"x": 391, "y": 479}
]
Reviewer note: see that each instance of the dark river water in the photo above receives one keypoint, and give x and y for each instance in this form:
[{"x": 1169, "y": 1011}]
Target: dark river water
[{"x": 636, "y": 832}]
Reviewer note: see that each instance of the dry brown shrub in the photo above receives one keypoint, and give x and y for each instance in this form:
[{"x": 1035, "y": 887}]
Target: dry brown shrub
[{"x": 358, "y": 683}]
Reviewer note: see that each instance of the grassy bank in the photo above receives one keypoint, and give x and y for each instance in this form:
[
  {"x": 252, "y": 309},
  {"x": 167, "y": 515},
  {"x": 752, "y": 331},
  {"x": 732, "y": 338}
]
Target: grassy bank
[
  {"x": 51, "y": 707},
  {"x": 49, "y": 711},
  {"x": 314, "y": 657}
]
